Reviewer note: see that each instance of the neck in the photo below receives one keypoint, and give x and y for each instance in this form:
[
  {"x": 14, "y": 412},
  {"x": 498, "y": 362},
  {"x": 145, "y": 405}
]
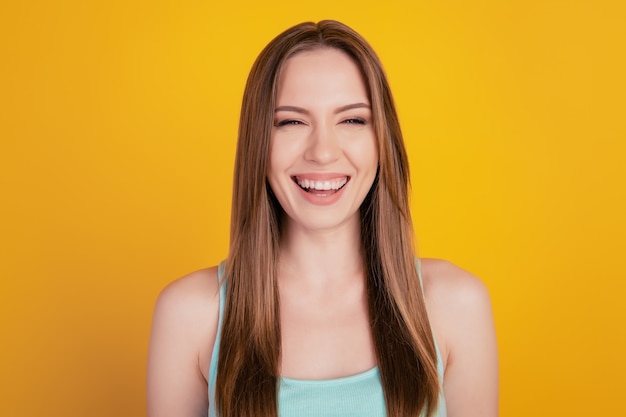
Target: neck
[{"x": 321, "y": 257}]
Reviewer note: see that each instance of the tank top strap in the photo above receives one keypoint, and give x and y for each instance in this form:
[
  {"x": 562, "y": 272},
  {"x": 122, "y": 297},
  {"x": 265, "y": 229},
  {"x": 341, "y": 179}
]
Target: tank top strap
[
  {"x": 216, "y": 346},
  {"x": 418, "y": 265}
]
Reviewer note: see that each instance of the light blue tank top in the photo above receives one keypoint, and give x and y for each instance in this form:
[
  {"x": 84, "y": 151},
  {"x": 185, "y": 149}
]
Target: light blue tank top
[{"x": 359, "y": 395}]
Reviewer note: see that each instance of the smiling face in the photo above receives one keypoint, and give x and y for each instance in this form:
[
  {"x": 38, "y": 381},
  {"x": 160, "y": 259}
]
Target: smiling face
[{"x": 323, "y": 155}]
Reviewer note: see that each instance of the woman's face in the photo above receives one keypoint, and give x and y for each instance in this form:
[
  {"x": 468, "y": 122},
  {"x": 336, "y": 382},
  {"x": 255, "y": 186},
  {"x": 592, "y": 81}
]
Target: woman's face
[{"x": 324, "y": 155}]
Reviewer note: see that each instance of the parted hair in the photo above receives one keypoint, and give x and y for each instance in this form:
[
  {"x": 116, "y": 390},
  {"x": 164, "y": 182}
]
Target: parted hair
[{"x": 248, "y": 373}]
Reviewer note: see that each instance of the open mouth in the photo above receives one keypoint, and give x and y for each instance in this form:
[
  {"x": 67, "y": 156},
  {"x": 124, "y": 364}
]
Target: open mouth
[{"x": 321, "y": 187}]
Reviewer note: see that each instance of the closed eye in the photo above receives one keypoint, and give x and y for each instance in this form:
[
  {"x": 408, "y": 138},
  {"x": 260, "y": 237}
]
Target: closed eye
[
  {"x": 287, "y": 122},
  {"x": 355, "y": 121}
]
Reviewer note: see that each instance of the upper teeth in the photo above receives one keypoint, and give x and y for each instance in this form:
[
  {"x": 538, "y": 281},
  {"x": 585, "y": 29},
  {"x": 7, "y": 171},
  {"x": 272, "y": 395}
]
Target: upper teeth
[{"x": 334, "y": 184}]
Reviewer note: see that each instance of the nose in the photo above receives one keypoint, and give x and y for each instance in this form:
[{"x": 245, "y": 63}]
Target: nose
[{"x": 323, "y": 146}]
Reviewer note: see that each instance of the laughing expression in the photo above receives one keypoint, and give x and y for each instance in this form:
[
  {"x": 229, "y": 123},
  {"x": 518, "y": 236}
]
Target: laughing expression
[{"x": 323, "y": 156}]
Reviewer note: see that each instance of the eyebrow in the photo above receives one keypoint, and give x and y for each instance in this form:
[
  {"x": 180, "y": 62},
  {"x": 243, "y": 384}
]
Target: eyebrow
[{"x": 337, "y": 111}]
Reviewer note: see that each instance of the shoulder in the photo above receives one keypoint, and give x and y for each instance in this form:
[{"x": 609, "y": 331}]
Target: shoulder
[
  {"x": 459, "y": 310},
  {"x": 190, "y": 302},
  {"x": 196, "y": 290},
  {"x": 457, "y": 301},
  {"x": 446, "y": 283},
  {"x": 184, "y": 328},
  {"x": 185, "y": 316}
]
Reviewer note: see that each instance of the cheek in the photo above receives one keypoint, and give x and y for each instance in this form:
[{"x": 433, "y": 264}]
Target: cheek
[
  {"x": 276, "y": 158},
  {"x": 284, "y": 153},
  {"x": 279, "y": 163},
  {"x": 279, "y": 148},
  {"x": 364, "y": 154}
]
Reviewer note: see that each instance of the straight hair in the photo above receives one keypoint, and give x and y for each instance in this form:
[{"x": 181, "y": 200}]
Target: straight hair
[{"x": 248, "y": 364}]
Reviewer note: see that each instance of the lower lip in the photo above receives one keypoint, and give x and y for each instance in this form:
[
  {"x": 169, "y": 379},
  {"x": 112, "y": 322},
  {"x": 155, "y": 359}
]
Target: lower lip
[{"x": 322, "y": 198}]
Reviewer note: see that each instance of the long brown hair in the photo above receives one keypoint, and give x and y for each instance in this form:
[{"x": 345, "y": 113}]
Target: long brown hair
[{"x": 247, "y": 376}]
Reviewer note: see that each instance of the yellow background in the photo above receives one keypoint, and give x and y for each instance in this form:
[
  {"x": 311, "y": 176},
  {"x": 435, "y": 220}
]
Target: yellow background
[{"x": 118, "y": 122}]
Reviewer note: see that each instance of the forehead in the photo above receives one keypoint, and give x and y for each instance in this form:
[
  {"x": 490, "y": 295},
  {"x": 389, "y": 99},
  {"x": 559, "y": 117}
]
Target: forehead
[{"x": 320, "y": 73}]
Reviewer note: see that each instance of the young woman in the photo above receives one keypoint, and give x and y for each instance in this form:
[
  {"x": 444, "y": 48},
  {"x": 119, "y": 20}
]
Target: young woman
[{"x": 322, "y": 308}]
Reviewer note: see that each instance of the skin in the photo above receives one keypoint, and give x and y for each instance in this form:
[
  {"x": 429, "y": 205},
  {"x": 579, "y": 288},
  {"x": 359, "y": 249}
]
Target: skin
[{"x": 324, "y": 321}]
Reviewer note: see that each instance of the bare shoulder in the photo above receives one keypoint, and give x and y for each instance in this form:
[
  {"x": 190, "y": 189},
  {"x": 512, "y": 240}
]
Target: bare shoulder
[
  {"x": 184, "y": 297},
  {"x": 190, "y": 307},
  {"x": 454, "y": 297},
  {"x": 184, "y": 328},
  {"x": 459, "y": 310},
  {"x": 447, "y": 285}
]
